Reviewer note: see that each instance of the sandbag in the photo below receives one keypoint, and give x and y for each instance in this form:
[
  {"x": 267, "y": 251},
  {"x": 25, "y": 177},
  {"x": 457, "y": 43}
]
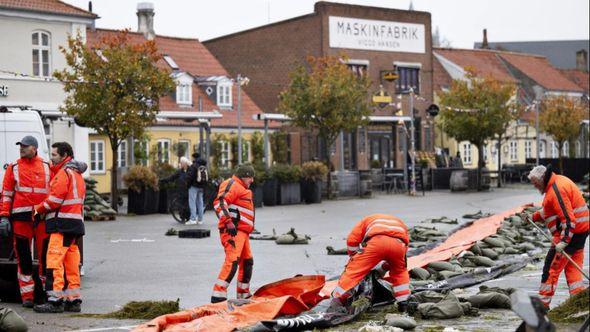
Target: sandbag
[
  {"x": 506, "y": 291},
  {"x": 511, "y": 251},
  {"x": 491, "y": 300},
  {"x": 443, "y": 275},
  {"x": 525, "y": 246},
  {"x": 11, "y": 321},
  {"x": 419, "y": 273},
  {"x": 292, "y": 238},
  {"x": 448, "y": 308},
  {"x": 481, "y": 261},
  {"x": 332, "y": 251},
  {"x": 427, "y": 297},
  {"x": 372, "y": 327},
  {"x": 441, "y": 266},
  {"x": 494, "y": 242},
  {"x": 476, "y": 249},
  {"x": 403, "y": 322},
  {"x": 490, "y": 253}
]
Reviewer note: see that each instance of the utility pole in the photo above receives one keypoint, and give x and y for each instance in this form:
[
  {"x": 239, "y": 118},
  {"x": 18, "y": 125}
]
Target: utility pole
[
  {"x": 412, "y": 144},
  {"x": 239, "y": 119}
]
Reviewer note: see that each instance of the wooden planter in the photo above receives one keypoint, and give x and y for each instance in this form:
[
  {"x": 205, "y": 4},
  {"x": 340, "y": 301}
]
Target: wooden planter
[
  {"x": 289, "y": 193},
  {"x": 270, "y": 190},
  {"x": 143, "y": 202},
  {"x": 311, "y": 191}
]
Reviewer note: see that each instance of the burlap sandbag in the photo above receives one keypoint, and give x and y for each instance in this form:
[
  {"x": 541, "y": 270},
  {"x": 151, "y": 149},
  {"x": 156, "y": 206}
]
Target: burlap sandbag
[
  {"x": 448, "y": 308},
  {"x": 492, "y": 300},
  {"x": 419, "y": 273}
]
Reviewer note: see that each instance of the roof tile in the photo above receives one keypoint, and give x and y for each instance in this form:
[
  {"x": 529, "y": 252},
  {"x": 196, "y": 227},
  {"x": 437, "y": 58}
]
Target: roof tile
[{"x": 47, "y": 6}]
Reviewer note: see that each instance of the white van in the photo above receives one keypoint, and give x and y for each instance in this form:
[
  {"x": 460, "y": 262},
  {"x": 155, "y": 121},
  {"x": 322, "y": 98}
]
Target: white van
[{"x": 14, "y": 125}]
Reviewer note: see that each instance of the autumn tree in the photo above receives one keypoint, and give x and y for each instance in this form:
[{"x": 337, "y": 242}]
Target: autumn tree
[
  {"x": 324, "y": 95},
  {"x": 476, "y": 109},
  {"x": 115, "y": 88},
  {"x": 561, "y": 117}
]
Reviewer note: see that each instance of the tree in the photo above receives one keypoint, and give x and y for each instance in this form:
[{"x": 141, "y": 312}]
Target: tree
[
  {"x": 475, "y": 110},
  {"x": 561, "y": 117},
  {"x": 114, "y": 88},
  {"x": 324, "y": 95}
]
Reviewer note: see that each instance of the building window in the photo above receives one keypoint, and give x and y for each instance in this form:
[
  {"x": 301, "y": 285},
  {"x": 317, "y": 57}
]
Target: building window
[
  {"x": 122, "y": 154},
  {"x": 466, "y": 153},
  {"x": 565, "y": 150},
  {"x": 409, "y": 77},
  {"x": 513, "y": 150},
  {"x": 554, "y": 149},
  {"x": 528, "y": 149},
  {"x": 246, "y": 146},
  {"x": 359, "y": 70},
  {"x": 97, "y": 157},
  {"x": 224, "y": 155},
  {"x": 579, "y": 150},
  {"x": 184, "y": 94},
  {"x": 224, "y": 94},
  {"x": 485, "y": 153},
  {"x": 164, "y": 151},
  {"x": 183, "y": 148},
  {"x": 541, "y": 149},
  {"x": 141, "y": 153},
  {"x": 494, "y": 151},
  {"x": 41, "y": 51}
]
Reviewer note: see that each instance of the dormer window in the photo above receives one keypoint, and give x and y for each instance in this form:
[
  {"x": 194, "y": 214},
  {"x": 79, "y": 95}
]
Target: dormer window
[
  {"x": 224, "y": 90},
  {"x": 184, "y": 89},
  {"x": 170, "y": 62}
]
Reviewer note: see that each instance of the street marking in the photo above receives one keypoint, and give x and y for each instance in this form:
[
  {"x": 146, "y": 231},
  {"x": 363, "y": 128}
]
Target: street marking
[
  {"x": 132, "y": 240},
  {"x": 114, "y": 328}
]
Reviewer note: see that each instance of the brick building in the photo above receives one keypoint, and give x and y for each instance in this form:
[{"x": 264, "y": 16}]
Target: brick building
[{"x": 374, "y": 40}]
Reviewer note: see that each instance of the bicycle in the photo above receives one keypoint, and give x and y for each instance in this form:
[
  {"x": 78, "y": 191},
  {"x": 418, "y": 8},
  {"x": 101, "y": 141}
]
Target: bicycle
[{"x": 179, "y": 209}]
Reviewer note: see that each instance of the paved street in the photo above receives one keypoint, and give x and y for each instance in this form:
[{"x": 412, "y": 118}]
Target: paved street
[{"x": 131, "y": 258}]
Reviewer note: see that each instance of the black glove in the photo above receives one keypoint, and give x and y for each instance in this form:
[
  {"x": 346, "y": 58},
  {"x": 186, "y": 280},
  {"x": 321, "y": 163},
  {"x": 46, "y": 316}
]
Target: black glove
[
  {"x": 37, "y": 219},
  {"x": 231, "y": 229},
  {"x": 402, "y": 306},
  {"x": 5, "y": 227}
]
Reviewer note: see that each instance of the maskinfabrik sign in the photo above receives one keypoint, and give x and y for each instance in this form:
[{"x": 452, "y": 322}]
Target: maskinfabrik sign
[{"x": 360, "y": 34}]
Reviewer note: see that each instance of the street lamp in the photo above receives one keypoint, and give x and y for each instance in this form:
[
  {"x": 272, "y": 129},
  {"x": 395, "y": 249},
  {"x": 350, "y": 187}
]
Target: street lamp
[
  {"x": 241, "y": 81},
  {"x": 538, "y": 95},
  {"x": 412, "y": 144}
]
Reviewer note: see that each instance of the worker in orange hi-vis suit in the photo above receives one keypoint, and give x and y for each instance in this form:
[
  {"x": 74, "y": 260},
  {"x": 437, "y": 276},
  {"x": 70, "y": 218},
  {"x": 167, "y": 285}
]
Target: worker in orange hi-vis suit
[
  {"x": 565, "y": 214},
  {"x": 377, "y": 238},
  {"x": 25, "y": 184},
  {"x": 235, "y": 210},
  {"x": 65, "y": 223}
]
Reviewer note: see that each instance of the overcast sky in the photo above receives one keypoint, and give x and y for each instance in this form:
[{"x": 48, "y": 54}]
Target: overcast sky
[{"x": 459, "y": 21}]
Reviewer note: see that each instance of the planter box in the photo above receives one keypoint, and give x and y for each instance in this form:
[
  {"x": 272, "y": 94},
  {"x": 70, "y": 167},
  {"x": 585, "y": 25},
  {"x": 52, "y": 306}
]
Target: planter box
[
  {"x": 311, "y": 191},
  {"x": 270, "y": 192},
  {"x": 165, "y": 196},
  {"x": 289, "y": 193},
  {"x": 347, "y": 183},
  {"x": 257, "y": 195},
  {"x": 144, "y": 202}
]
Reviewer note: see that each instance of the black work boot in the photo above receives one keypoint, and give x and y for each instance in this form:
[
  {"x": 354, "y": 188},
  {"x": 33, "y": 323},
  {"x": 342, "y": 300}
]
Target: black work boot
[
  {"x": 50, "y": 307},
  {"x": 28, "y": 304},
  {"x": 215, "y": 299},
  {"x": 73, "y": 306}
]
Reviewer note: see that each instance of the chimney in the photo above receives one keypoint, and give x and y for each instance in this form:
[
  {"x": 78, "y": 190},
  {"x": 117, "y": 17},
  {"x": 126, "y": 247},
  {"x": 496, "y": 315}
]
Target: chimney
[
  {"x": 484, "y": 43},
  {"x": 145, "y": 19},
  {"x": 90, "y": 6},
  {"x": 93, "y": 25},
  {"x": 582, "y": 60}
]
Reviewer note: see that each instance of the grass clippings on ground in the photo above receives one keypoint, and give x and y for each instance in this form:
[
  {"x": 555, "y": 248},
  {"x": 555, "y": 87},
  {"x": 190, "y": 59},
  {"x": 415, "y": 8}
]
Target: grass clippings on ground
[
  {"x": 144, "y": 310},
  {"x": 574, "y": 310}
]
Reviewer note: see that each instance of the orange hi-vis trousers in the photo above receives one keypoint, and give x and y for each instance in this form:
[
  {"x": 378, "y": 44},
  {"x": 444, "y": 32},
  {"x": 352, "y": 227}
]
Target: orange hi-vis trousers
[
  {"x": 379, "y": 248},
  {"x": 555, "y": 263},
  {"x": 24, "y": 232},
  {"x": 238, "y": 257},
  {"x": 63, "y": 254}
]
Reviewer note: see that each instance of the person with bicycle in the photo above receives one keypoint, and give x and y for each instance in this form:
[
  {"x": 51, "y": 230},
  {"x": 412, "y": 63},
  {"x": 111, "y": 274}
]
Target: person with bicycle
[{"x": 180, "y": 178}]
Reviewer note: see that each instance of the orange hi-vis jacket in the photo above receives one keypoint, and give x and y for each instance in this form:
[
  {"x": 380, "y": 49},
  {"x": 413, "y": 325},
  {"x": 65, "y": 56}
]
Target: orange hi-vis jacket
[
  {"x": 564, "y": 210},
  {"x": 376, "y": 224},
  {"x": 26, "y": 183},
  {"x": 234, "y": 204},
  {"x": 65, "y": 204}
]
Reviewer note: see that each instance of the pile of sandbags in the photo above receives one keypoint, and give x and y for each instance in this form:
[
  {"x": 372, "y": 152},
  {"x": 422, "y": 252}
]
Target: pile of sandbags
[
  {"x": 514, "y": 237},
  {"x": 95, "y": 207},
  {"x": 292, "y": 238}
]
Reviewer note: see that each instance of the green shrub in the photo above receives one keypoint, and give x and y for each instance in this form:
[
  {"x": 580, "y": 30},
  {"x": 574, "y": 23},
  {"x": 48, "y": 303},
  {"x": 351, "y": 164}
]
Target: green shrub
[
  {"x": 375, "y": 164},
  {"x": 314, "y": 170},
  {"x": 286, "y": 173},
  {"x": 140, "y": 177}
]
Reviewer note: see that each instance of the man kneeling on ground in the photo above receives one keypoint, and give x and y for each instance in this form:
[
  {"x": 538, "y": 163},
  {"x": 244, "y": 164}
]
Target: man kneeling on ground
[{"x": 377, "y": 238}]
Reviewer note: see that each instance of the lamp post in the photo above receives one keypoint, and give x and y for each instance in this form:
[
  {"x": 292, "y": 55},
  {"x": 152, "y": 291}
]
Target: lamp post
[
  {"x": 241, "y": 81},
  {"x": 538, "y": 95},
  {"x": 412, "y": 144}
]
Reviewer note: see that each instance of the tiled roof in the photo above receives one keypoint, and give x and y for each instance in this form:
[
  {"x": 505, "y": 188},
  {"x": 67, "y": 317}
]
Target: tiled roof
[
  {"x": 192, "y": 57},
  {"x": 484, "y": 62},
  {"x": 47, "y": 6},
  {"x": 581, "y": 78},
  {"x": 441, "y": 78},
  {"x": 541, "y": 71}
]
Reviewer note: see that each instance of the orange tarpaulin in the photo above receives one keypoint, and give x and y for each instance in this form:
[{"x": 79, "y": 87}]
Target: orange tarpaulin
[{"x": 295, "y": 295}]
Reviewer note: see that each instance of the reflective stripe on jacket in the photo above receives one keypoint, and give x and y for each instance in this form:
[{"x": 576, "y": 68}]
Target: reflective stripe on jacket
[
  {"x": 234, "y": 204},
  {"x": 25, "y": 184},
  {"x": 376, "y": 224},
  {"x": 65, "y": 205},
  {"x": 564, "y": 212}
]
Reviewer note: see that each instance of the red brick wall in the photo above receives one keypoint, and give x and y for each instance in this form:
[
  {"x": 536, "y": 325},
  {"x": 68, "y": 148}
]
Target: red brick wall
[{"x": 267, "y": 54}]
